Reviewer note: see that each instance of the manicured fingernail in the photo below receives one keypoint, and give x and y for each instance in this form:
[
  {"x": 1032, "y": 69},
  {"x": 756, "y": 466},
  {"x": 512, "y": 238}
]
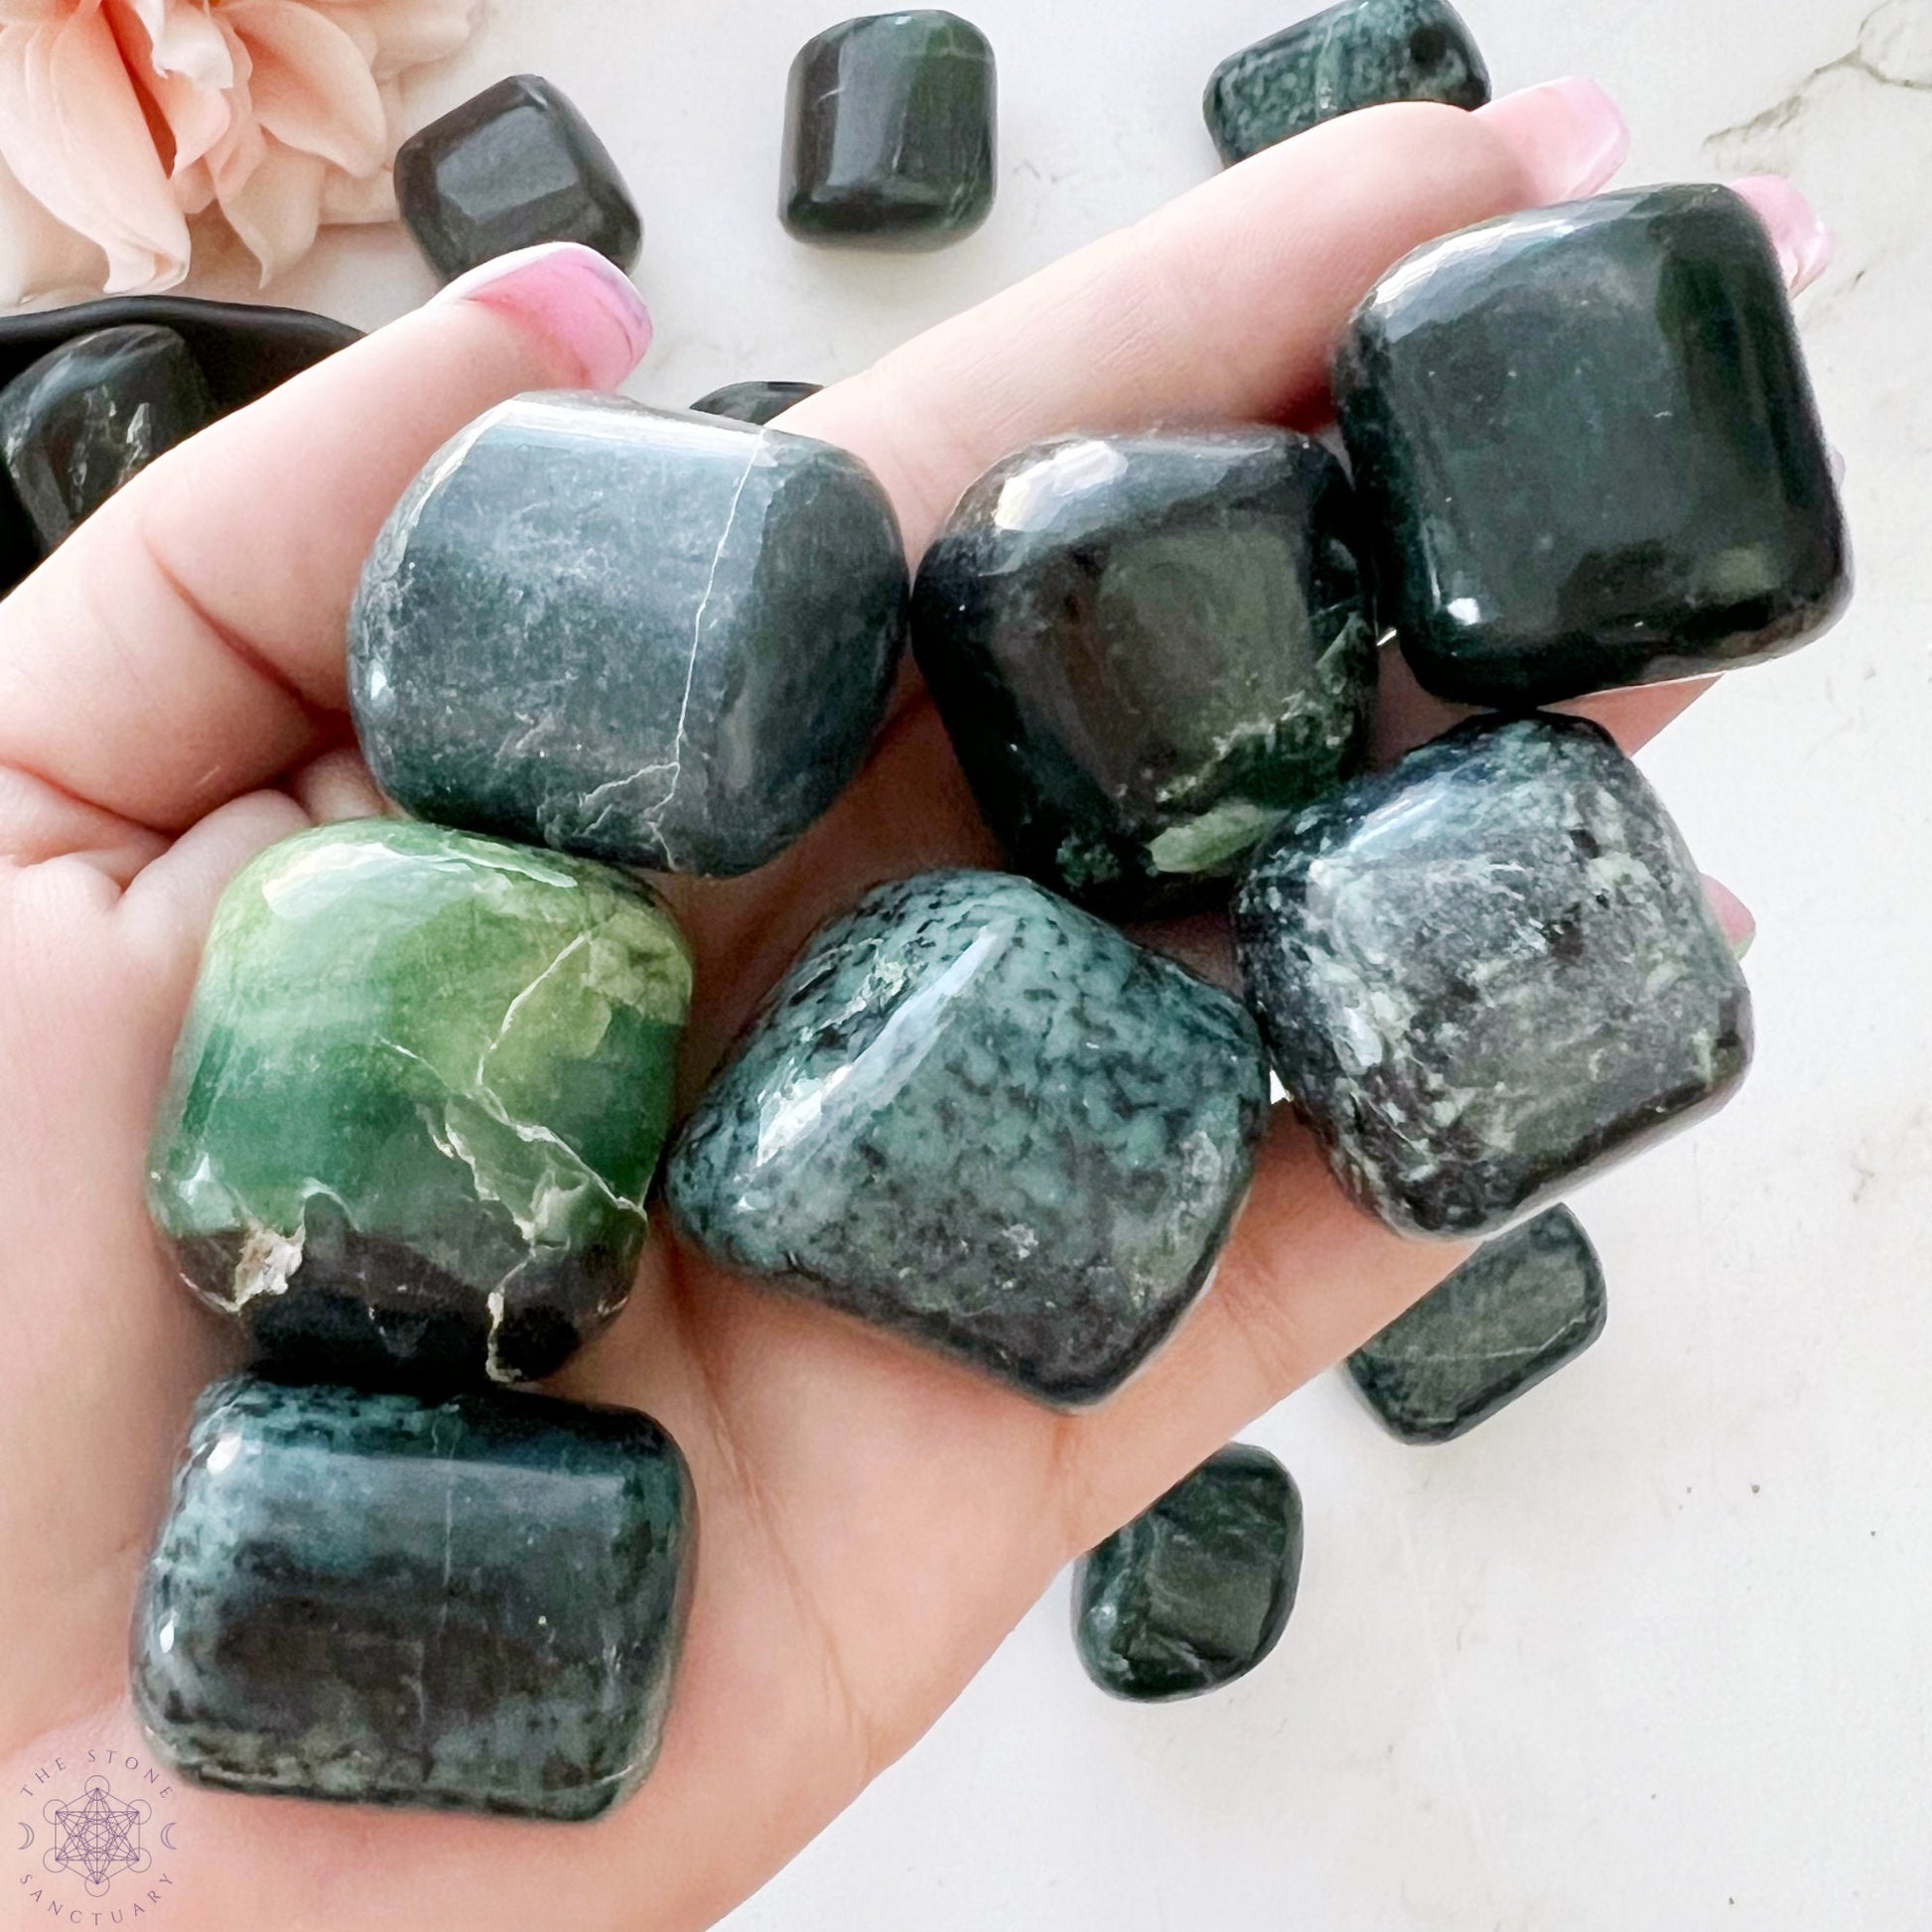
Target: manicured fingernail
[
  {"x": 1568, "y": 134},
  {"x": 1805, "y": 246},
  {"x": 1734, "y": 919},
  {"x": 573, "y": 296}
]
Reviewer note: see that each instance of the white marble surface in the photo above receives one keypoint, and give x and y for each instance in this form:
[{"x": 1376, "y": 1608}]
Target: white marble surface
[{"x": 1650, "y": 1650}]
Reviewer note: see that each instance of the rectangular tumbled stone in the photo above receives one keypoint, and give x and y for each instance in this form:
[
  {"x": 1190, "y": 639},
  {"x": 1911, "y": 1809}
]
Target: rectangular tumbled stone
[
  {"x": 1519, "y": 1309},
  {"x": 976, "y": 1115},
  {"x": 1587, "y": 446},
  {"x": 1490, "y": 971},
  {"x": 477, "y": 1603}
]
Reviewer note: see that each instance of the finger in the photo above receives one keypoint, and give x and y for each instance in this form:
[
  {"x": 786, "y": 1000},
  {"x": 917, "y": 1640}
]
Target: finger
[{"x": 186, "y": 643}]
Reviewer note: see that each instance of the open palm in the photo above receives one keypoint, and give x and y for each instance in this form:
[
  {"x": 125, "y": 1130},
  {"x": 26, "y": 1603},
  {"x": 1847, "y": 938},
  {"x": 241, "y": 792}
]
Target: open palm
[{"x": 875, "y": 1519}]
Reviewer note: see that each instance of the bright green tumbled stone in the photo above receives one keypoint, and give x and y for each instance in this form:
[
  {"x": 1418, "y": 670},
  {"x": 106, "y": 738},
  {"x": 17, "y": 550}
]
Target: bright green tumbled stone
[{"x": 418, "y": 1100}]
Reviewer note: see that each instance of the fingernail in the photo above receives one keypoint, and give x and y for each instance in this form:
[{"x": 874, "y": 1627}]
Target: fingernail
[
  {"x": 1568, "y": 135},
  {"x": 571, "y": 296},
  {"x": 1734, "y": 919},
  {"x": 1805, "y": 246}
]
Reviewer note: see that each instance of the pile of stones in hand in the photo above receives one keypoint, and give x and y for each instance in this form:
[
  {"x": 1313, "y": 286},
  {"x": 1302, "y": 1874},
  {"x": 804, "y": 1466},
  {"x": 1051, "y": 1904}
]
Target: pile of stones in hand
[{"x": 415, "y": 1121}]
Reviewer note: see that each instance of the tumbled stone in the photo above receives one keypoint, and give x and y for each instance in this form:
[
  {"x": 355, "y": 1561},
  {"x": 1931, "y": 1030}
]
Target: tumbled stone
[
  {"x": 1149, "y": 650},
  {"x": 975, "y": 1115},
  {"x": 1196, "y": 1590},
  {"x": 515, "y": 166},
  {"x": 418, "y": 1101},
  {"x": 1489, "y": 972},
  {"x": 890, "y": 132},
  {"x": 1519, "y": 1309},
  {"x": 1357, "y": 55},
  {"x": 754, "y": 402},
  {"x": 93, "y": 413},
  {"x": 1587, "y": 449},
  {"x": 474, "y": 1602},
  {"x": 657, "y": 638}
]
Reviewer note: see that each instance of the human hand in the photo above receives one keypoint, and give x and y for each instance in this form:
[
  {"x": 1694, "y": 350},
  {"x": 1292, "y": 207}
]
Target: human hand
[{"x": 875, "y": 1519}]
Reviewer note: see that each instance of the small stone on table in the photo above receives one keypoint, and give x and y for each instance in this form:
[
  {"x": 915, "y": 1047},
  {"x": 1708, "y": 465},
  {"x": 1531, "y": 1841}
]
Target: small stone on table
[{"x": 754, "y": 402}]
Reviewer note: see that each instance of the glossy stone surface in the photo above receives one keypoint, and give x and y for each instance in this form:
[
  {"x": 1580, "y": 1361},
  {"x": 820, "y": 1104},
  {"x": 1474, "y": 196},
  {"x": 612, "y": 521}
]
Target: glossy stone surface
[
  {"x": 1489, "y": 972},
  {"x": 515, "y": 166},
  {"x": 1149, "y": 650},
  {"x": 1519, "y": 1309},
  {"x": 476, "y": 1602},
  {"x": 1587, "y": 442},
  {"x": 656, "y": 638},
  {"x": 1196, "y": 1590},
  {"x": 978, "y": 1116},
  {"x": 754, "y": 402},
  {"x": 1357, "y": 55},
  {"x": 890, "y": 132},
  {"x": 418, "y": 1102},
  {"x": 93, "y": 413}
]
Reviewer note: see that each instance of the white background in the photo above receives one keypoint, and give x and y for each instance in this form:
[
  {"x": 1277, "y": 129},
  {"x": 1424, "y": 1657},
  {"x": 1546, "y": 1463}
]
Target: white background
[{"x": 1652, "y": 1650}]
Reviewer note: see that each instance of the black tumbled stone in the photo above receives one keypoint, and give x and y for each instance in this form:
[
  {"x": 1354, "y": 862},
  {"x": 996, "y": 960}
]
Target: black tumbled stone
[
  {"x": 1488, "y": 972},
  {"x": 515, "y": 166},
  {"x": 754, "y": 402},
  {"x": 1520, "y": 1307},
  {"x": 1149, "y": 650},
  {"x": 1360, "y": 54},
  {"x": 890, "y": 132},
  {"x": 1198, "y": 1590},
  {"x": 1587, "y": 448}
]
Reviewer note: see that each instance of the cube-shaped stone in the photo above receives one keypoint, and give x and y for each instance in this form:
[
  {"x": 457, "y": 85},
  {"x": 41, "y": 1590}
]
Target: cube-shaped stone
[
  {"x": 890, "y": 132},
  {"x": 1359, "y": 53},
  {"x": 1589, "y": 451},
  {"x": 1520, "y": 1307},
  {"x": 754, "y": 402},
  {"x": 515, "y": 166},
  {"x": 418, "y": 1102},
  {"x": 975, "y": 1115},
  {"x": 1490, "y": 971},
  {"x": 474, "y": 1602},
  {"x": 1198, "y": 1590},
  {"x": 1149, "y": 650},
  {"x": 658, "y": 639},
  {"x": 93, "y": 413}
]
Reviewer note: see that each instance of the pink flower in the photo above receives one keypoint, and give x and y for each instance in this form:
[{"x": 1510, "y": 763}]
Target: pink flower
[{"x": 119, "y": 119}]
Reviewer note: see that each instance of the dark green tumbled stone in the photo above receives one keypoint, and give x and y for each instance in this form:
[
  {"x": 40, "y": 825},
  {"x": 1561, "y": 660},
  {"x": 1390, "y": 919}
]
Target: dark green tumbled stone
[
  {"x": 1149, "y": 650},
  {"x": 1357, "y": 55},
  {"x": 754, "y": 402},
  {"x": 474, "y": 1603},
  {"x": 1196, "y": 1590},
  {"x": 515, "y": 166},
  {"x": 1488, "y": 972},
  {"x": 975, "y": 1114},
  {"x": 418, "y": 1102},
  {"x": 93, "y": 413},
  {"x": 890, "y": 132},
  {"x": 657, "y": 638},
  {"x": 1519, "y": 1309},
  {"x": 1587, "y": 446}
]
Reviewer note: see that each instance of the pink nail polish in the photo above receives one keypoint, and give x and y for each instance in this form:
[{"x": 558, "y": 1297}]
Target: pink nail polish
[
  {"x": 1734, "y": 919},
  {"x": 570, "y": 295},
  {"x": 1568, "y": 135},
  {"x": 1803, "y": 244}
]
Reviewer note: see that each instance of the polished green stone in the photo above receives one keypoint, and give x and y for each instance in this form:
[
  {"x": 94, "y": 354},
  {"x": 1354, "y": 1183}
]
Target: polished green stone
[
  {"x": 890, "y": 132},
  {"x": 975, "y": 1114},
  {"x": 472, "y": 1603},
  {"x": 1588, "y": 453},
  {"x": 418, "y": 1100},
  {"x": 1356, "y": 55},
  {"x": 1196, "y": 1590},
  {"x": 754, "y": 402},
  {"x": 1149, "y": 650}
]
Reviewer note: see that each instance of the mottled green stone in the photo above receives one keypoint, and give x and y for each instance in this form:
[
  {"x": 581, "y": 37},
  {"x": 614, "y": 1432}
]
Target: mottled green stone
[
  {"x": 1519, "y": 1309},
  {"x": 474, "y": 1602},
  {"x": 418, "y": 1101},
  {"x": 1196, "y": 1590},
  {"x": 1360, "y": 54}
]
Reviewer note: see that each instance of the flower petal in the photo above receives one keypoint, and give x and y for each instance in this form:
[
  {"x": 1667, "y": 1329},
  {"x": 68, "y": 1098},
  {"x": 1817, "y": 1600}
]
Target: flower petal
[
  {"x": 312, "y": 88},
  {"x": 184, "y": 42},
  {"x": 407, "y": 33},
  {"x": 40, "y": 258},
  {"x": 277, "y": 207}
]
